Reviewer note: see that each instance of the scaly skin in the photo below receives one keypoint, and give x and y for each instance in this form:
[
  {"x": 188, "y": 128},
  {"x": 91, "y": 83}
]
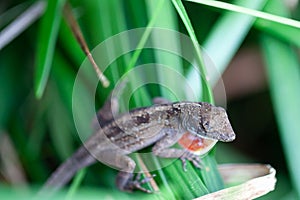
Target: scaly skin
[{"x": 159, "y": 125}]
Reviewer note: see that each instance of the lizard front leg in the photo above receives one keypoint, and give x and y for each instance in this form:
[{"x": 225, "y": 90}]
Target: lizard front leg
[
  {"x": 162, "y": 149},
  {"x": 125, "y": 180}
]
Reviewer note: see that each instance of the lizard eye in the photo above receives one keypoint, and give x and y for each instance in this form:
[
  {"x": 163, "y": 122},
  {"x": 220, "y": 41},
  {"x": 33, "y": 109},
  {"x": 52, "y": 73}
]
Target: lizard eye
[{"x": 204, "y": 125}]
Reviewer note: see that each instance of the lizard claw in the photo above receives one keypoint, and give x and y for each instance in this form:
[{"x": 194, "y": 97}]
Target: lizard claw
[
  {"x": 138, "y": 181},
  {"x": 195, "y": 159}
]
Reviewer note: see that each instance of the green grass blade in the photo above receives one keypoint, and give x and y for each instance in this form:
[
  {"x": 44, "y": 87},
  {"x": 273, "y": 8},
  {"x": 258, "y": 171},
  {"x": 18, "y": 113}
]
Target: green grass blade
[
  {"x": 167, "y": 189},
  {"x": 142, "y": 97},
  {"x": 60, "y": 131},
  {"x": 220, "y": 49},
  {"x": 251, "y": 12},
  {"x": 185, "y": 185},
  {"x": 280, "y": 26},
  {"x": 283, "y": 70},
  {"x": 207, "y": 92},
  {"x": 46, "y": 43},
  {"x": 145, "y": 36},
  {"x": 284, "y": 77},
  {"x": 75, "y": 184},
  {"x": 288, "y": 33},
  {"x": 169, "y": 21},
  {"x": 211, "y": 178}
]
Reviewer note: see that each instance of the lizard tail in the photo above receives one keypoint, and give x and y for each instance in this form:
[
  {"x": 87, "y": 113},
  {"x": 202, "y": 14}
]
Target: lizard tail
[{"x": 63, "y": 174}]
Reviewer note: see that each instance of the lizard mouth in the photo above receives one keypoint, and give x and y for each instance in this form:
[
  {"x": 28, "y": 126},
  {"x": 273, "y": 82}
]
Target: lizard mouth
[
  {"x": 208, "y": 136},
  {"x": 223, "y": 137}
]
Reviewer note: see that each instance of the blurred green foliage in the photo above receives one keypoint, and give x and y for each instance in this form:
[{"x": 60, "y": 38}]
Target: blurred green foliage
[{"x": 38, "y": 69}]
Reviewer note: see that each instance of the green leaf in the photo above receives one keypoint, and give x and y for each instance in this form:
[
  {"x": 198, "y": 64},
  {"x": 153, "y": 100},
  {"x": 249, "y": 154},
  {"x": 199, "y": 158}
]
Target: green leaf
[
  {"x": 287, "y": 33},
  {"x": 220, "y": 49},
  {"x": 207, "y": 92},
  {"x": 251, "y": 12},
  {"x": 284, "y": 77},
  {"x": 166, "y": 20},
  {"x": 142, "y": 97},
  {"x": 145, "y": 36},
  {"x": 283, "y": 70},
  {"x": 46, "y": 43},
  {"x": 75, "y": 184}
]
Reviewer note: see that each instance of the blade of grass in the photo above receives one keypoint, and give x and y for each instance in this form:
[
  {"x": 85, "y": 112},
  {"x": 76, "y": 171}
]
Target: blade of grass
[
  {"x": 220, "y": 49},
  {"x": 167, "y": 190},
  {"x": 252, "y": 12},
  {"x": 12, "y": 13},
  {"x": 75, "y": 184},
  {"x": 283, "y": 70},
  {"x": 145, "y": 37},
  {"x": 185, "y": 185},
  {"x": 64, "y": 78},
  {"x": 59, "y": 121},
  {"x": 118, "y": 24},
  {"x": 143, "y": 97},
  {"x": 11, "y": 167},
  {"x": 211, "y": 177},
  {"x": 274, "y": 24},
  {"x": 21, "y": 23},
  {"x": 284, "y": 77},
  {"x": 32, "y": 165},
  {"x": 167, "y": 20},
  {"x": 9, "y": 87},
  {"x": 207, "y": 92},
  {"x": 282, "y": 31},
  {"x": 46, "y": 41}
]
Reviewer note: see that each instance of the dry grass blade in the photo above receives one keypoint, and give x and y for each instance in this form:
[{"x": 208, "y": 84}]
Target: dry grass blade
[
  {"x": 78, "y": 34},
  {"x": 258, "y": 180},
  {"x": 10, "y": 164},
  {"x": 148, "y": 175}
]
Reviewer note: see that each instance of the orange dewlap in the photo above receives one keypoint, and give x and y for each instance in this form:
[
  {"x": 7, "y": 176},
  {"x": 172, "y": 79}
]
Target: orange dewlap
[{"x": 195, "y": 144}]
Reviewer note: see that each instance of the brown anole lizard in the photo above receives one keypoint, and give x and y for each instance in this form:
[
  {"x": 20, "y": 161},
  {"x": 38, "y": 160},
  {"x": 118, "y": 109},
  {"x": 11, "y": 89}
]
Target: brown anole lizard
[{"x": 161, "y": 124}]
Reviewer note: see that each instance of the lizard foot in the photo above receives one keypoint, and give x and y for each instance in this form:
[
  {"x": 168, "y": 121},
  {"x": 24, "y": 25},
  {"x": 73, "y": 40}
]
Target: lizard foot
[
  {"x": 137, "y": 182},
  {"x": 195, "y": 159}
]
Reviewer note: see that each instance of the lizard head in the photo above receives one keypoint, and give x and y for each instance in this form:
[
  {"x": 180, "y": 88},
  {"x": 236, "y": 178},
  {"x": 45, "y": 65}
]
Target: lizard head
[{"x": 206, "y": 120}]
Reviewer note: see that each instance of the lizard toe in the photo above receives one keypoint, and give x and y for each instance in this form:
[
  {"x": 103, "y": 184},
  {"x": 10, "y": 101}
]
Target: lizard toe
[
  {"x": 137, "y": 183},
  {"x": 195, "y": 159}
]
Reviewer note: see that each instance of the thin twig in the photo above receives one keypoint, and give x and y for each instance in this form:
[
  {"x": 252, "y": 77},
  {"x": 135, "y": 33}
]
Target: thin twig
[
  {"x": 146, "y": 172},
  {"x": 79, "y": 37}
]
